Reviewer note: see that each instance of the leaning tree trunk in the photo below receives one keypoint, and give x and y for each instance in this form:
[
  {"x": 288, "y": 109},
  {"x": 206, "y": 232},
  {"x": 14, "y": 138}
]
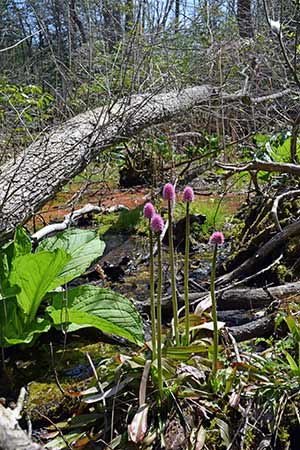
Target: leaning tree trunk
[
  {"x": 54, "y": 159},
  {"x": 49, "y": 163}
]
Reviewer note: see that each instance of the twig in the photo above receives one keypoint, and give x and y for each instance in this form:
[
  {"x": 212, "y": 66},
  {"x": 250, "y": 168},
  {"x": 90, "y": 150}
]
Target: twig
[
  {"x": 19, "y": 42},
  {"x": 274, "y": 209}
]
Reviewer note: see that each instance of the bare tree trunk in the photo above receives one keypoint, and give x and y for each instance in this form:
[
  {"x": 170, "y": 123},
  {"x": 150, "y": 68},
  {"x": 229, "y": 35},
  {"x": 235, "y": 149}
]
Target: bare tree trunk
[
  {"x": 129, "y": 15},
  {"x": 177, "y": 13},
  {"x": 51, "y": 161},
  {"x": 76, "y": 21},
  {"x": 294, "y": 139},
  {"x": 112, "y": 22},
  {"x": 244, "y": 18}
]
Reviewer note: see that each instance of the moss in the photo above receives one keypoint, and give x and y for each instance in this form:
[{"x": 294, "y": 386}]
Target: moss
[
  {"x": 45, "y": 399},
  {"x": 249, "y": 439},
  {"x": 283, "y": 274},
  {"x": 213, "y": 438},
  {"x": 105, "y": 222},
  {"x": 284, "y": 435}
]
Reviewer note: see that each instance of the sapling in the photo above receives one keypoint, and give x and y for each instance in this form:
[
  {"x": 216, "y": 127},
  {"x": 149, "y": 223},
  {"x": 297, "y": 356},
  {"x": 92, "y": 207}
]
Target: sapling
[
  {"x": 169, "y": 195},
  {"x": 157, "y": 226},
  {"x": 216, "y": 239},
  {"x": 149, "y": 212},
  {"x": 188, "y": 197}
]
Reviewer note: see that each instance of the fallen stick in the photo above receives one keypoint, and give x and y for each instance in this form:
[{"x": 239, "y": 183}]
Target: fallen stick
[
  {"x": 274, "y": 209},
  {"x": 270, "y": 249},
  {"x": 12, "y": 437},
  {"x": 71, "y": 219}
]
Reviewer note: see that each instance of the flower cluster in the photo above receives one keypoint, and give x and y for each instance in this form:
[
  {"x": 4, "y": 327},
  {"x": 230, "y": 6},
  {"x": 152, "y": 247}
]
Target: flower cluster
[
  {"x": 149, "y": 210},
  {"x": 188, "y": 194},
  {"x": 217, "y": 238},
  {"x": 157, "y": 223},
  {"x": 169, "y": 192}
]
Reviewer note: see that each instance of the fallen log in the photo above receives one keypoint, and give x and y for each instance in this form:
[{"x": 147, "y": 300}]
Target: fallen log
[
  {"x": 262, "y": 327},
  {"x": 255, "y": 298},
  {"x": 233, "y": 299},
  {"x": 269, "y": 250},
  {"x": 54, "y": 159},
  {"x": 28, "y": 182}
]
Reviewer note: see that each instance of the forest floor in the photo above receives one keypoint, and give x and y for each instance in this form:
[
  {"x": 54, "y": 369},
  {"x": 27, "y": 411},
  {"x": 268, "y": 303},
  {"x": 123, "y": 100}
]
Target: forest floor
[{"x": 56, "y": 386}]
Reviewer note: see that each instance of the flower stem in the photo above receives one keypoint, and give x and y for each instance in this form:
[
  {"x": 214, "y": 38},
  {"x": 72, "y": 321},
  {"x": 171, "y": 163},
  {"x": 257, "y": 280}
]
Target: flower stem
[
  {"x": 173, "y": 277},
  {"x": 214, "y": 310},
  {"x": 186, "y": 275},
  {"x": 152, "y": 299},
  {"x": 159, "y": 295}
]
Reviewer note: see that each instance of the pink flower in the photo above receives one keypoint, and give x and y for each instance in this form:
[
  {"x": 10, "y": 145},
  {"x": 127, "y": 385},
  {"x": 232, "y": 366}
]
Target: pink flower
[
  {"x": 217, "y": 238},
  {"x": 169, "y": 192},
  {"x": 188, "y": 194},
  {"x": 157, "y": 223},
  {"x": 149, "y": 210}
]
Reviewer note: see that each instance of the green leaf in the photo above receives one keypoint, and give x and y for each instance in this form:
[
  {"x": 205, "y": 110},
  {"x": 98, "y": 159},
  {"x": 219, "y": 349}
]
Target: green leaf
[
  {"x": 6, "y": 291},
  {"x": 293, "y": 327},
  {"x": 293, "y": 365},
  {"x": 182, "y": 353},
  {"x": 34, "y": 274},
  {"x": 84, "y": 246},
  {"x": 11, "y": 324},
  {"x": 37, "y": 327},
  {"x": 100, "y": 308},
  {"x": 22, "y": 242},
  {"x": 61, "y": 443}
]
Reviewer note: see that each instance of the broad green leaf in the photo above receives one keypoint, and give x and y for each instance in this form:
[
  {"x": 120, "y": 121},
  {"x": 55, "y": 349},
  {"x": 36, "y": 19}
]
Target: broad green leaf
[
  {"x": 9, "y": 291},
  {"x": 21, "y": 245},
  {"x": 293, "y": 327},
  {"x": 22, "y": 242},
  {"x": 4, "y": 270},
  {"x": 36, "y": 327},
  {"x": 100, "y": 308},
  {"x": 84, "y": 420},
  {"x": 84, "y": 246},
  {"x": 11, "y": 324},
  {"x": 34, "y": 274}
]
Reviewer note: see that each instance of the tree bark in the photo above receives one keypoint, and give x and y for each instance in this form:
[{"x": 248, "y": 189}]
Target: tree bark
[
  {"x": 76, "y": 21},
  {"x": 54, "y": 159},
  {"x": 256, "y": 262},
  {"x": 51, "y": 161},
  {"x": 255, "y": 298},
  {"x": 258, "y": 328},
  {"x": 129, "y": 15},
  {"x": 244, "y": 18}
]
